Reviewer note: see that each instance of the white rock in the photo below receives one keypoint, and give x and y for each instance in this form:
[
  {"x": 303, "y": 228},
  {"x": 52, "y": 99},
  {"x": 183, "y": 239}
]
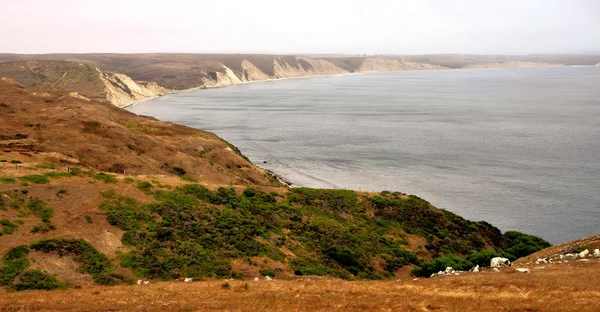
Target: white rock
[
  {"x": 414, "y": 279},
  {"x": 597, "y": 253},
  {"x": 449, "y": 270},
  {"x": 561, "y": 256},
  {"x": 540, "y": 261},
  {"x": 139, "y": 282},
  {"x": 583, "y": 260},
  {"x": 256, "y": 279},
  {"x": 475, "y": 269},
  {"x": 146, "y": 282},
  {"x": 456, "y": 273},
  {"x": 499, "y": 262},
  {"x": 571, "y": 256},
  {"x": 188, "y": 279},
  {"x": 584, "y": 253},
  {"x": 496, "y": 270},
  {"x": 523, "y": 270},
  {"x": 268, "y": 278}
]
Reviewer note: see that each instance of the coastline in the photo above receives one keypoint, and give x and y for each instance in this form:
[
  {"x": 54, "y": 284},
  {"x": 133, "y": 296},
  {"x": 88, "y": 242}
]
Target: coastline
[{"x": 335, "y": 75}]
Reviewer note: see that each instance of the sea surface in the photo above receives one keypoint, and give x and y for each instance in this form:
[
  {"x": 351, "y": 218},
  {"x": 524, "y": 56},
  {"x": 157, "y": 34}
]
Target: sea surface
[{"x": 519, "y": 148}]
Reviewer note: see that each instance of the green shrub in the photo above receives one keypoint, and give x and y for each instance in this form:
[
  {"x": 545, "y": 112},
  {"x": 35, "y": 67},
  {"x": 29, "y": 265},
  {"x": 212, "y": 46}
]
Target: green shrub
[
  {"x": 39, "y": 208},
  {"x": 311, "y": 270},
  {"x": 7, "y": 227},
  {"x": 43, "y": 227},
  {"x": 521, "y": 245},
  {"x": 441, "y": 263},
  {"x": 267, "y": 272},
  {"x": 178, "y": 171},
  {"x": 128, "y": 180},
  {"x": 7, "y": 181},
  {"x": 111, "y": 279},
  {"x": 88, "y": 219},
  {"x": 188, "y": 179},
  {"x": 37, "y": 280},
  {"x": 107, "y": 178},
  {"x": 35, "y": 178},
  {"x": 110, "y": 193},
  {"x": 482, "y": 258},
  {"x": 145, "y": 187},
  {"x": 15, "y": 262}
]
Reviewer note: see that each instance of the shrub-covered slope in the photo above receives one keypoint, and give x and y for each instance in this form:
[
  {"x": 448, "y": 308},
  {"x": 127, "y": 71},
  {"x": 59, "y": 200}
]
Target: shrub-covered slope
[{"x": 180, "y": 202}]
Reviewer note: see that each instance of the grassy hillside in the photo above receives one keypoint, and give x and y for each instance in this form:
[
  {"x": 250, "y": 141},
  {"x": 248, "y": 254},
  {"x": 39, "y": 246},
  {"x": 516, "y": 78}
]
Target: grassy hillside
[
  {"x": 90, "y": 193},
  {"x": 56, "y": 75}
]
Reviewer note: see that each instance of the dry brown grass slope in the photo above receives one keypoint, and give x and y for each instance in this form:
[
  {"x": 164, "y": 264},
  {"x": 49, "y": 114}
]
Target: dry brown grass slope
[
  {"x": 56, "y": 127},
  {"x": 574, "y": 287}
]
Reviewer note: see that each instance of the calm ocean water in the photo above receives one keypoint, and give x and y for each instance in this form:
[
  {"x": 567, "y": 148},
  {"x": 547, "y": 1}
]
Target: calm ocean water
[{"x": 519, "y": 148}]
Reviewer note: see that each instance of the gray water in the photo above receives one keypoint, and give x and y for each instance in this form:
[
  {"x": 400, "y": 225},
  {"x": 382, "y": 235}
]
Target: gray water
[{"x": 518, "y": 148}]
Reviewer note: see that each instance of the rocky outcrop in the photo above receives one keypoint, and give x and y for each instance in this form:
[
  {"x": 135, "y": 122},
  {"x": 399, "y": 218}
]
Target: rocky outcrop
[
  {"x": 377, "y": 64},
  {"x": 121, "y": 90},
  {"x": 512, "y": 64}
]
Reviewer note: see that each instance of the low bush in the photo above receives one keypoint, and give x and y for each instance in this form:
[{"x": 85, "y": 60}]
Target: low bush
[
  {"x": 145, "y": 187},
  {"x": 441, "y": 263},
  {"x": 482, "y": 258},
  {"x": 15, "y": 262},
  {"x": 7, "y": 227},
  {"x": 266, "y": 272},
  {"x": 35, "y": 178},
  {"x": 8, "y": 181},
  {"x": 43, "y": 227},
  {"x": 107, "y": 178},
  {"x": 178, "y": 171},
  {"x": 37, "y": 280},
  {"x": 110, "y": 193}
]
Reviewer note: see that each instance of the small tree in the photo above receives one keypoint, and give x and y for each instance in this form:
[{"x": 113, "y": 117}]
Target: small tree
[{"x": 16, "y": 162}]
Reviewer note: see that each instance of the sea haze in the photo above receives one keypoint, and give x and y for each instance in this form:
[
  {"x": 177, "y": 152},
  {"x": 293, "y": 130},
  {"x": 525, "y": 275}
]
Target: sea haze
[{"x": 519, "y": 148}]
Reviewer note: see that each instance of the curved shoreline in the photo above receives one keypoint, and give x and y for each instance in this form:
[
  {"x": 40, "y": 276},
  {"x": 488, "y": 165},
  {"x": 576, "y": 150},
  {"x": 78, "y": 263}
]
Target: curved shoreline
[{"x": 345, "y": 74}]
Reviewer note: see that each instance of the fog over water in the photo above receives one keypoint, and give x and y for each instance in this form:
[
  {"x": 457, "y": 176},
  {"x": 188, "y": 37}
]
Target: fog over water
[{"x": 519, "y": 148}]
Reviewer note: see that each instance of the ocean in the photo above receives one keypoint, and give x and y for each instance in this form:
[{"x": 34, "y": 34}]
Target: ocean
[{"x": 519, "y": 148}]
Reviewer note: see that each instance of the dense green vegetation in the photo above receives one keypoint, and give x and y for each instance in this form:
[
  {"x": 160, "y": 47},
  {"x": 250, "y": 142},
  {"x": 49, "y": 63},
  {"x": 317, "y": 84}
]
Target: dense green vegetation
[
  {"x": 92, "y": 261},
  {"x": 192, "y": 231},
  {"x": 15, "y": 275}
]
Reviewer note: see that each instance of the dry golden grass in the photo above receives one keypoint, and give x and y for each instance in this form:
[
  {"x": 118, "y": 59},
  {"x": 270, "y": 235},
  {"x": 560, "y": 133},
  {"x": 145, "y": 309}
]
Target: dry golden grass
[{"x": 559, "y": 287}]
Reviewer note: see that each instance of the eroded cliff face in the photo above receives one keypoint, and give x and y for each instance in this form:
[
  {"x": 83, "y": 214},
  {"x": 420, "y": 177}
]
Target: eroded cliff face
[
  {"x": 512, "y": 64},
  {"x": 252, "y": 73},
  {"x": 121, "y": 90},
  {"x": 305, "y": 67},
  {"x": 215, "y": 79},
  {"x": 377, "y": 64}
]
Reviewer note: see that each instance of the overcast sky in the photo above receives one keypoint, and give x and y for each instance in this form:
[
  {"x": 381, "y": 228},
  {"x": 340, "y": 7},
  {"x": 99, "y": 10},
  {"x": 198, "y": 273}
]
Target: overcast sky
[{"x": 308, "y": 26}]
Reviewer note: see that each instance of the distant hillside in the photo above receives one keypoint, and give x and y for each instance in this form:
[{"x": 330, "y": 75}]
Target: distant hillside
[
  {"x": 90, "y": 193},
  {"x": 85, "y": 79},
  {"x": 464, "y": 60},
  {"x": 185, "y": 71}
]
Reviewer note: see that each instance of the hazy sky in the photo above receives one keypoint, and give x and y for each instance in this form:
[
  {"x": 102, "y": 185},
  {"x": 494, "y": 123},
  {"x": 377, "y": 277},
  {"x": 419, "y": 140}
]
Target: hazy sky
[{"x": 323, "y": 26}]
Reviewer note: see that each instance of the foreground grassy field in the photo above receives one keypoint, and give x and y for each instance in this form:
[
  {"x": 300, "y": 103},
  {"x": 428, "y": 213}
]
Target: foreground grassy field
[{"x": 555, "y": 287}]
